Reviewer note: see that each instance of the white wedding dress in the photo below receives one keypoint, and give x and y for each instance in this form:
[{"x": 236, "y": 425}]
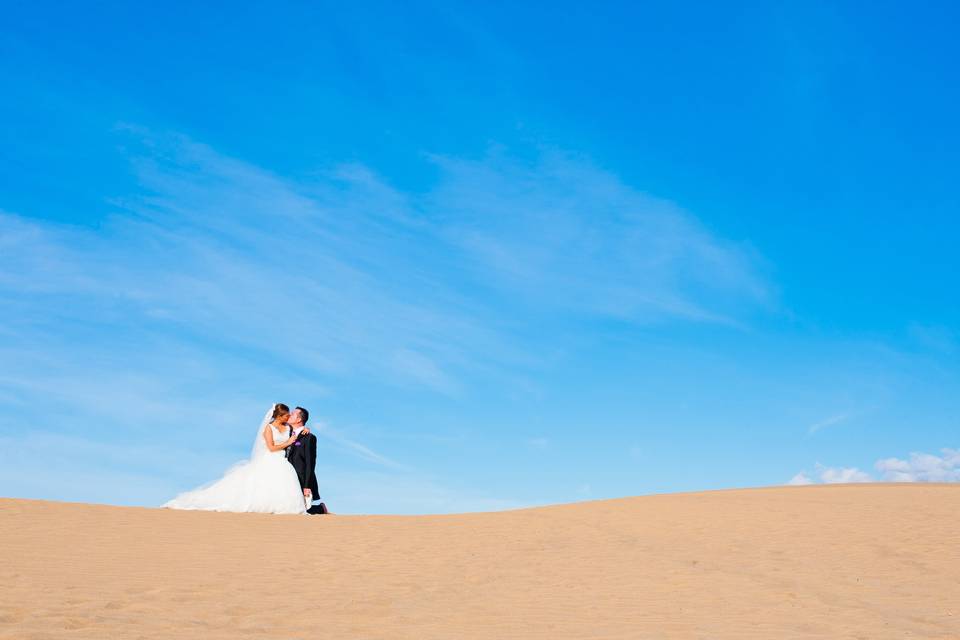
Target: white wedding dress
[{"x": 266, "y": 483}]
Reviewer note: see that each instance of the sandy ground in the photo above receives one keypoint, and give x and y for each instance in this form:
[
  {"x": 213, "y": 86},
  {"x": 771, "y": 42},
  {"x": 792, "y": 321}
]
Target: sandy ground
[{"x": 856, "y": 561}]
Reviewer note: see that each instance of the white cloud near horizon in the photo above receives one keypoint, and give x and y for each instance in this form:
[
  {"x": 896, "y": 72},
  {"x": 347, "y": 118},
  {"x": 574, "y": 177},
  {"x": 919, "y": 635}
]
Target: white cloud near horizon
[
  {"x": 922, "y": 467},
  {"x": 918, "y": 467}
]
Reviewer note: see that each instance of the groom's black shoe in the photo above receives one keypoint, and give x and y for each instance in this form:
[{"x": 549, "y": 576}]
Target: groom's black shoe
[{"x": 318, "y": 509}]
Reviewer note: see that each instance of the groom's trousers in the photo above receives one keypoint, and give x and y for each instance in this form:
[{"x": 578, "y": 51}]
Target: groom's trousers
[{"x": 303, "y": 456}]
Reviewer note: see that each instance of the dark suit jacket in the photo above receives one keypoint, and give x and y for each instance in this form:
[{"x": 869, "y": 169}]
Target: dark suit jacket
[{"x": 303, "y": 456}]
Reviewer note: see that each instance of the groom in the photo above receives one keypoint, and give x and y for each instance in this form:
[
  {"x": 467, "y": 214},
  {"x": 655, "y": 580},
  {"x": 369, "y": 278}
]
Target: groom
[{"x": 303, "y": 454}]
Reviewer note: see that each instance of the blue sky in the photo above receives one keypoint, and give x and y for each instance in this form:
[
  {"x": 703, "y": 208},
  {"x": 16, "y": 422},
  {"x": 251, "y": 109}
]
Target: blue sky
[{"x": 506, "y": 255}]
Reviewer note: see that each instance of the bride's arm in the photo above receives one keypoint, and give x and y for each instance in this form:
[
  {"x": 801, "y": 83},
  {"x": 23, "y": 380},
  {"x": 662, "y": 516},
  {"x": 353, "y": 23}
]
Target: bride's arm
[{"x": 268, "y": 439}]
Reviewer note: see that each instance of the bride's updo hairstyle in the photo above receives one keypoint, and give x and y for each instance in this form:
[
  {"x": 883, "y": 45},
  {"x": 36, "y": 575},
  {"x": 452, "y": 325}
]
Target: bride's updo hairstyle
[{"x": 279, "y": 409}]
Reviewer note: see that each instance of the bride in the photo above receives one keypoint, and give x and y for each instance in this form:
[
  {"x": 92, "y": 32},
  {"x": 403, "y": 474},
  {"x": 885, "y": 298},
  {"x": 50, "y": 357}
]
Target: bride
[{"x": 266, "y": 483}]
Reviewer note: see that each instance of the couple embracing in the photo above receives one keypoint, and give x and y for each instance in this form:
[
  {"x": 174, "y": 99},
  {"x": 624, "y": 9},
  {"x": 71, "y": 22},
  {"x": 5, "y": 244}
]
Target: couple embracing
[{"x": 279, "y": 477}]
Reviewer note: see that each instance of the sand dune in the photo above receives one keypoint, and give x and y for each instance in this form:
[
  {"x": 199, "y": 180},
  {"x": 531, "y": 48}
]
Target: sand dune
[{"x": 862, "y": 561}]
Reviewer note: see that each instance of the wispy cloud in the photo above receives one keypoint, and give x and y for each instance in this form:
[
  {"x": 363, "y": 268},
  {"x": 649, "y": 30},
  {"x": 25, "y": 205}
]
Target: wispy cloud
[
  {"x": 364, "y": 274},
  {"x": 827, "y": 422},
  {"x": 323, "y": 430},
  {"x": 564, "y": 234},
  {"x": 935, "y": 338}
]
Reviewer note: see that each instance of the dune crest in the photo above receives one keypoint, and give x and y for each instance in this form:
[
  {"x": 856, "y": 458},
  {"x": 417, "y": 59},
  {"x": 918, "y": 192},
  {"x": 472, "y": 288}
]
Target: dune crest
[{"x": 852, "y": 561}]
